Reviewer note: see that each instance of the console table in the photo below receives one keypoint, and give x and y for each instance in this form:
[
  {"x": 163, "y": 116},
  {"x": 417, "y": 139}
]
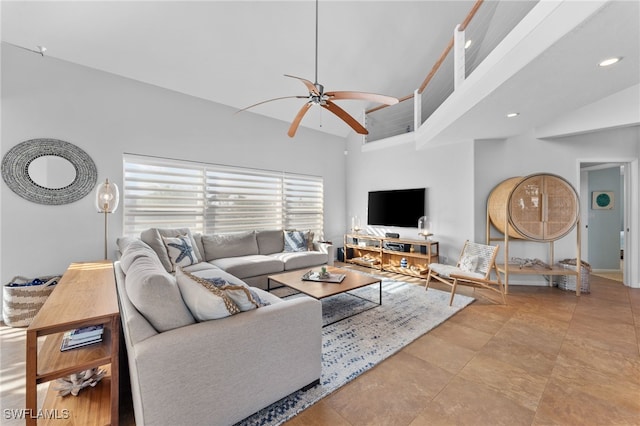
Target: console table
[
  {"x": 86, "y": 295},
  {"x": 375, "y": 252}
]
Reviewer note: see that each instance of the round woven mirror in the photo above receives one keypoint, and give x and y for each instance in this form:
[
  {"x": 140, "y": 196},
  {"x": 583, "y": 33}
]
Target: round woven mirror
[{"x": 49, "y": 171}]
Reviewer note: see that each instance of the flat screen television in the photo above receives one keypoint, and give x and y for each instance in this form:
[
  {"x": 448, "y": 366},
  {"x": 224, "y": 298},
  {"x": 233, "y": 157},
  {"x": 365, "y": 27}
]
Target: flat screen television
[{"x": 400, "y": 207}]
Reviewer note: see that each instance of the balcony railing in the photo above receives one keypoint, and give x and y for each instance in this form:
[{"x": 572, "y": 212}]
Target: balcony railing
[{"x": 484, "y": 27}]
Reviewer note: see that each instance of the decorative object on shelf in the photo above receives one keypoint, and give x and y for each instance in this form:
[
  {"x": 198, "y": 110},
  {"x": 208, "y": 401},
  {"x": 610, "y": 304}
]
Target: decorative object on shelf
[
  {"x": 355, "y": 224},
  {"x": 525, "y": 263},
  {"x": 80, "y": 337},
  {"x": 424, "y": 227},
  {"x": 403, "y": 262},
  {"x": 74, "y": 383},
  {"x": 24, "y": 169},
  {"x": 23, "y": 297},
  {"x": 602, "y": 200},
  {"x": 107, "y": 199}
]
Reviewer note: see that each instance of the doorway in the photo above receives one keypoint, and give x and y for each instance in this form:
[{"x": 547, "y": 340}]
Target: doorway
[{"x": 606, "y": 204}]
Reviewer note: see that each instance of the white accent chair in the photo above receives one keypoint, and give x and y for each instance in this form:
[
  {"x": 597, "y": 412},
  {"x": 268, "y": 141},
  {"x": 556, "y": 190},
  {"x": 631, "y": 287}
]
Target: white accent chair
[{"x": 473, "y": 269}]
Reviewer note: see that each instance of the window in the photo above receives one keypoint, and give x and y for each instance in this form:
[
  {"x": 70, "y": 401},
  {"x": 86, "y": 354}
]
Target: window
[{"x": 209, "y": 198}]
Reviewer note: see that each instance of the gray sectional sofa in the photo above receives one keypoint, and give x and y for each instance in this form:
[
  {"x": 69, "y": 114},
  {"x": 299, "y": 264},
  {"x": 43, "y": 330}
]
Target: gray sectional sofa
[
  {"x": 251, "y": 256},
  {"x": 185, "y": 369}
]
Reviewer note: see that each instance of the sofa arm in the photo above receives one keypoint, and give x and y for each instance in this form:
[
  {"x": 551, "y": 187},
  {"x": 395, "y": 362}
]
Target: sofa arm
[
  {"x": 327, "y": 248},
  {"x": 229, "y": 368}
]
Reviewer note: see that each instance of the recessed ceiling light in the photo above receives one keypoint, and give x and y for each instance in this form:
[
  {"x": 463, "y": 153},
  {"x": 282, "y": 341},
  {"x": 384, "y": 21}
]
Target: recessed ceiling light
[
  {"x": 513, "y": 114},
  {"x": 609, "y": 61},
  {"x": 468, "y": 43}
]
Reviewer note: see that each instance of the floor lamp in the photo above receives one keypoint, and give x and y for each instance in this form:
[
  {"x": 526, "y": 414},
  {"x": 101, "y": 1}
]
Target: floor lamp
[{"x": 107, "y": 198}]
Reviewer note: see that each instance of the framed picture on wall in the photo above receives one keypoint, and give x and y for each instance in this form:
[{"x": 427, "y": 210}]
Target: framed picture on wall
[{"x": 602, "y": 200}]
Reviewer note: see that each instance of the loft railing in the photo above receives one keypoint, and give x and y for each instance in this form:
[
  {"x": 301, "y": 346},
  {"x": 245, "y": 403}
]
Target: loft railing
[{"x": 484, "y": 28}]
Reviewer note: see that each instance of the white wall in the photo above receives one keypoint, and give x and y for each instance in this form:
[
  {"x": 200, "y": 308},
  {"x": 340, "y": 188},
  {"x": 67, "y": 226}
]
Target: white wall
[
  {"x": 107, "y": 115},
  {"x": 446, "y": 172}
]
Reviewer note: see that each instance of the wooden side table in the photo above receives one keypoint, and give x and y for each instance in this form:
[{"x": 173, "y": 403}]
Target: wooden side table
[{"x": 86, "y": 295}]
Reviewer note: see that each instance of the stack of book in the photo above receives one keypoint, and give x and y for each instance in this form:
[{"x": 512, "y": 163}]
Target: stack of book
[{"x": 80, "y": 337}]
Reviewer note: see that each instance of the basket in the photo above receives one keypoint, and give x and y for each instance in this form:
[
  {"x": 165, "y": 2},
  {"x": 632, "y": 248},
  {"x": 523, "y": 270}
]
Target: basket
[
  {"x": 22, "y": 298},
  {"x": 568, "y": 282}
]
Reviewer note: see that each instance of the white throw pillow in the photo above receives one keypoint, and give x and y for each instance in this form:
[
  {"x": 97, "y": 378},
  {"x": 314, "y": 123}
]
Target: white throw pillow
[
  {"x": 180, "y": 251},
  {"x": 469, "y": 263},
  {"x": 213, "y": 298}
]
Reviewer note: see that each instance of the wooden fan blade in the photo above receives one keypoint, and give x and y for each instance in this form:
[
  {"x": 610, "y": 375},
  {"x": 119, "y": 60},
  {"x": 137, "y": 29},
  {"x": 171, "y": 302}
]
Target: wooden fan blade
[
  {"x": 355, "y": 125},
  {"x": 373, "y": 97},
  {"x": 310, "y": 86},
  {"x": 296, "y": 121},
  {"x": 270, "y": 100}
]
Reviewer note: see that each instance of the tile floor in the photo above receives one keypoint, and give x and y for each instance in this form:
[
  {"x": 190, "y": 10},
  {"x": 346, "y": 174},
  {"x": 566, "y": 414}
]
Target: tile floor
[{"x": 547, "y": 358}]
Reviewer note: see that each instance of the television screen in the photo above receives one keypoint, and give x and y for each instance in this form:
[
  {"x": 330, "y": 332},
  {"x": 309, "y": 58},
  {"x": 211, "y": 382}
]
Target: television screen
[{"x": 402, "y": 207}]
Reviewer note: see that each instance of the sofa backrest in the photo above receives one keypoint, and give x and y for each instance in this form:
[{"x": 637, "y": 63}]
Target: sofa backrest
[
  {"x": 270, "y": 242},
  {"x": 229, "y": 245}
]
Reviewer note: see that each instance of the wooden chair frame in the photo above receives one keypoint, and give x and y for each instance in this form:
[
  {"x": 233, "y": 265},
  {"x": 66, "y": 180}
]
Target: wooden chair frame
[{"x": 454, "y": 276}]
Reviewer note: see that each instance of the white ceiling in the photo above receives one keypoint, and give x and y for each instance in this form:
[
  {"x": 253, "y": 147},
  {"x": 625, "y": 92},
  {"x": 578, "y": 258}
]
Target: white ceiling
[{"x": 235, "y": 53}]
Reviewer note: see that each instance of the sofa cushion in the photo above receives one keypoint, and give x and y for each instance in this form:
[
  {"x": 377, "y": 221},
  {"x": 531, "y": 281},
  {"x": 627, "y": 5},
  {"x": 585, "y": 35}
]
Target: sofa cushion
[
  {"x": 135, "y": 249},
  {"x": 295, "y": 241},
  {"x": 180, "y": 251},
  {"x": 249, "y": 266},
  {"x": 229, "y": 245},
  {"x": 155, "y": 294},
  {"x": 198, "y": 237},
  {"x": 123, "y": 242},
  {"x": 215, "y": 298},
  {"x": 270, "y": 241},
  {"x": 299, "y": 260},
  {"x": 153, "y": 237}
]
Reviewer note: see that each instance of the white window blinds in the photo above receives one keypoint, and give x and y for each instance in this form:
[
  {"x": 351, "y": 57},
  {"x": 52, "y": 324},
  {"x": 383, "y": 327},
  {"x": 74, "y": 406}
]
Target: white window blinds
[{"x": 212, "y": 198}]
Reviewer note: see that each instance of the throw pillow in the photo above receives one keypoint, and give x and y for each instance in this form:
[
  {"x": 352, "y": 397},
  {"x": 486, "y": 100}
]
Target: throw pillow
[
  {"x": 295, "y": 241},
  {"x": 309, "y": 236},
  {"x": 241, "y": 294},
  {"x": 180, "y": 251},
  {"x": 469, "y": 263},
  {"x": 153, "y": 237},
  {"x": 212, "y": 298}
]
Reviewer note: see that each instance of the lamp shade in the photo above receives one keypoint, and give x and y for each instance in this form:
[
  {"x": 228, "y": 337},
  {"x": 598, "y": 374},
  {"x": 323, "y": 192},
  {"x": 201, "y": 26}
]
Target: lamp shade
[
  {"x": 107, "y": 197},
  {"x": 424, "y": 227}
]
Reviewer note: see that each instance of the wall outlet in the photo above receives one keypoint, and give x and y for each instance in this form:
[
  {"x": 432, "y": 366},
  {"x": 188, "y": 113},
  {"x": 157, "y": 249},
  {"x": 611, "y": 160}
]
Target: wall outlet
[{"x": 445, "y": 259}]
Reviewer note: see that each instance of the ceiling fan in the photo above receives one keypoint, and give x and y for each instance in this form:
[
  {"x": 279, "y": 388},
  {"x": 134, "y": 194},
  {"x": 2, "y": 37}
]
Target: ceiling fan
[{"x": 317, "y": 96}]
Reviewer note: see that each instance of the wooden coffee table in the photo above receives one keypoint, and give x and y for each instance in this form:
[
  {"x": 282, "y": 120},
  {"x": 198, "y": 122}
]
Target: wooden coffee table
[{"x": 321, "y": 290}]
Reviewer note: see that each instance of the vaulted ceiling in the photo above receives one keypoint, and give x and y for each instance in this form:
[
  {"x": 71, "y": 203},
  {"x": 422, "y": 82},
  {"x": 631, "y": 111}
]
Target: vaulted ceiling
[{"x": 236, "y": 52}]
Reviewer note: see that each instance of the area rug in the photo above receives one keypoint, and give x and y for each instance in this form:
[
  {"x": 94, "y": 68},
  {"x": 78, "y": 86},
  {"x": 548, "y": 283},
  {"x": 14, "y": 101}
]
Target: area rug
[{"x": 356, "y": 344}]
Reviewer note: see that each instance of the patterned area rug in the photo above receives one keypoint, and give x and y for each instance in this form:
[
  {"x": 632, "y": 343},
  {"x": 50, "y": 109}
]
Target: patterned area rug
[{"x": 356, "y": 344}]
